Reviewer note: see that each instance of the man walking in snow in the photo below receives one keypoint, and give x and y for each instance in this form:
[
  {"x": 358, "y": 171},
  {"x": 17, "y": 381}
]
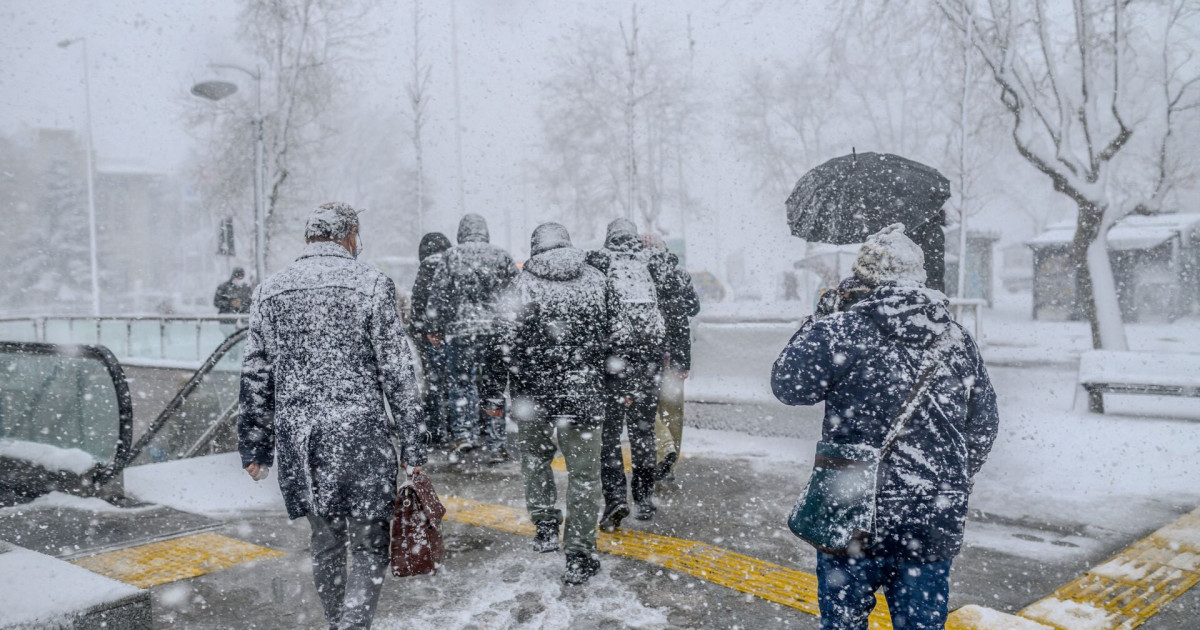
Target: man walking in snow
[
  {"x": 465, "y": 293},
  {"x": 324, "y": 350},
  {"x": 431, "y": 344},
  {"x": 864, "y": 362},
  {"x": 636, "y": 280},
  {"x": 558, "y": 340},
  {"x": 678, "y": 306}
]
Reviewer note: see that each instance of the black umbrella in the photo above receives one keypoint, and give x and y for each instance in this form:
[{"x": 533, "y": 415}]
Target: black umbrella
[{"x": 847, "y": 199}]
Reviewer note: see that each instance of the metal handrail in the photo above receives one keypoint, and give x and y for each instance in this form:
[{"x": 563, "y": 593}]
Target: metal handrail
[
  {"x": 126, "y": 349},
  {"x": 104, "y": 471}
]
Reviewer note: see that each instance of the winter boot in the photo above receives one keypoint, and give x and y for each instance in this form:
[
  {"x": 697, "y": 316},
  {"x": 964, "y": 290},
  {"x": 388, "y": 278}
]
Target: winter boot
[
  {"x": 498, "y": 456},
  {"x": 580, "y": 567},
  {"x": 645, "y": 509},
  {"x": 662, "y": 472},
  {"x": 546, "y": 540},
  {"x": 614, "y": 513}
]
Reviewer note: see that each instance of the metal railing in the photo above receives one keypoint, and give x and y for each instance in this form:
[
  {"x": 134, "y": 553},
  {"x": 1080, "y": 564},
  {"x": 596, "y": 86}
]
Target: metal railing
[{"x": 177, "y": 338}]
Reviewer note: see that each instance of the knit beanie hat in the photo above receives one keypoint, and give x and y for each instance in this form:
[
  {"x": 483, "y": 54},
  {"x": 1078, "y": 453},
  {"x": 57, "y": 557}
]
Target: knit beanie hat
[{"x": 890, "y": 258}]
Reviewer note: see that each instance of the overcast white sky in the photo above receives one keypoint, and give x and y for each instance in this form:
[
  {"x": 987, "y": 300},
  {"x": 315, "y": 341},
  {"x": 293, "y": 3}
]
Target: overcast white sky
[{"x": 145, "y": 54}]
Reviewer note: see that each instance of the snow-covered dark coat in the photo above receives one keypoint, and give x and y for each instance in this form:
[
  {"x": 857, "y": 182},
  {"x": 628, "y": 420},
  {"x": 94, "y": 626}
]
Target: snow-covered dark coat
[
  {"x": 324, "y": 348},
  {"x": 623, "y": 240},
  {"x": 558, "y": 337},
  {"x": 468, "y": 286},
  {"x": 679, "y": 305},
  {"x": 431, "y": 250},
  {"x": 863, "y": 363}
]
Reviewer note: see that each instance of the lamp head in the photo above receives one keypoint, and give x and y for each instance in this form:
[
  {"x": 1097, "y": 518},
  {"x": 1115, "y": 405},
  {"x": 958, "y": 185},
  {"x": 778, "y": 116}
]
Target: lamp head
[{"x": 214, "y": 90}]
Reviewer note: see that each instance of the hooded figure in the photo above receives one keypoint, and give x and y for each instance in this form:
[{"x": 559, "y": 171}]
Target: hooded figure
[
  {"x": 466, "y": 292},
  {"x": 639, "y": 282},
  {"x": 424, "y": 328},
  {"x": 473, "y": 276},
  {"x": 863, "y": 363},
  {"x": 233, "y": 295},
  {"x": 430, "y": 252},
  {"x": 679, "y": 304},
  {"x": 558, "y": 341}
]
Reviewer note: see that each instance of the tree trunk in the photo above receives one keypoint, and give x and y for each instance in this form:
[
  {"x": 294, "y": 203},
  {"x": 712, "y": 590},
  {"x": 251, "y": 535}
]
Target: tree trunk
[{"x": 1097, "y": 289}]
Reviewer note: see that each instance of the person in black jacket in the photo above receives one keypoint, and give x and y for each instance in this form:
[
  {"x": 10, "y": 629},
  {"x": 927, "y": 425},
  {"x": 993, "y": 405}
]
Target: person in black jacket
[
  {"x": 233, "y": 295},
  {"x": 679, "y": 304},
  {"x": 636, "y": 279},
  {"x": 466, "y": 290},
  {"x": 558, "y": 340},
  {"x": 429, "y": 341}
]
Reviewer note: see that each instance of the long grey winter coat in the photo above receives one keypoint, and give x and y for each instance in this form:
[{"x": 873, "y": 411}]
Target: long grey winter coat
[
  {"x": 468, "y": 286},
  {"x": 325, "y": 346}
]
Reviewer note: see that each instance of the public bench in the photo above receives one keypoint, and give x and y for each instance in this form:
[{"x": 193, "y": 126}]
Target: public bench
[{"x": 1106, "y": 372}]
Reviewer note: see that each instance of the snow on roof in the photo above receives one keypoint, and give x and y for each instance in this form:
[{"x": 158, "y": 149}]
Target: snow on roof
[
  {"x": 47, "y": 456},
  {"x": 1131, "y": 232},
  {"x": 46, "y": 591}
]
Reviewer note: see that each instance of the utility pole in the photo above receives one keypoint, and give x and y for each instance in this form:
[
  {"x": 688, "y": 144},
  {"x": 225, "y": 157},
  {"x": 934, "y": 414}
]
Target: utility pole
[
  {"x": 631, "y": 169},
  {"x": 215, "y": 91},
  {"x": 458, "y": 151},
  {"x": 91, "y": 195},
  {"x": 962, "y": 162},
  {"x": 417, "y": 97}
]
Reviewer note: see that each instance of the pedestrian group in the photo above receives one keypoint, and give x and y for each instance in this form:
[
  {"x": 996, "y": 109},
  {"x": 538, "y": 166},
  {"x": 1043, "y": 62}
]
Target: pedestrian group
[{"x": 576, "y": 348}]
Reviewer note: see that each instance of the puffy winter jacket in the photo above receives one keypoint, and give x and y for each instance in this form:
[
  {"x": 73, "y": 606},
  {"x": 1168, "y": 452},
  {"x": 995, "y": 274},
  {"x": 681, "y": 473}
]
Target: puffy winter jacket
[
  {"x": 679, "y": 305},
  {"x": 325, "y": 347},
  {"x": 623, "y": 241},
  {"x": 863, "y": 363},
  {"x": 433, "y": 245},
  {"x": 469, "y": 283},
  {"x": 558, "y": 337}
]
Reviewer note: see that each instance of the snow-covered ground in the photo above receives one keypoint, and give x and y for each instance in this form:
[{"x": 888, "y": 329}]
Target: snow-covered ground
[
  {"x": 214, "y": 485},
  {"x": 44, "y": 592}
]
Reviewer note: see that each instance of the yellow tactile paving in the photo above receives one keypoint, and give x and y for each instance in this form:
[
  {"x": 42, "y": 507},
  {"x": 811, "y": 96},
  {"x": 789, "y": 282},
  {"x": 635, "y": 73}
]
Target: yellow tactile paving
[
  {"x": 158, "y": 563},
  {"x": 1133, "y": 585},
  {"x": 761, "y": 579},
  {"x": 1128, "y": 589}
]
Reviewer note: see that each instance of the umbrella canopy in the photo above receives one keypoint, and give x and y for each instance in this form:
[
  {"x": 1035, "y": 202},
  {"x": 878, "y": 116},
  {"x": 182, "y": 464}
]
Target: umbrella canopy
[{"x": 847, "y": 199}]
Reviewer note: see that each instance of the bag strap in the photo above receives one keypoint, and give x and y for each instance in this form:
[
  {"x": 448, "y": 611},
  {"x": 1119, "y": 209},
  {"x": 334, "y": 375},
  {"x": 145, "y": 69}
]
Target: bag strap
[{"x": 909, "y": 408}]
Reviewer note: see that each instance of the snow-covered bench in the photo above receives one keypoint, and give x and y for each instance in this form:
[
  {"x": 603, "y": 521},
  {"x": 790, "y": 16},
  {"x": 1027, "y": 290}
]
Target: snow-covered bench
[{"x": 1105, "y": 372}]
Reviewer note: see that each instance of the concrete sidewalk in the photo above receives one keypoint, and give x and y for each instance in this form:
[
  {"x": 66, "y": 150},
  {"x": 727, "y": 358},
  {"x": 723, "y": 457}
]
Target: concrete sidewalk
[{"x": 492, "y": 579}]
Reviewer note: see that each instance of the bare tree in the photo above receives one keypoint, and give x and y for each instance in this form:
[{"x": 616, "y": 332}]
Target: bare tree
[
  {"x": 616, "y": 118},
  {"x": 1077, "y": 86},
  {"x": 308, "y": 49}
]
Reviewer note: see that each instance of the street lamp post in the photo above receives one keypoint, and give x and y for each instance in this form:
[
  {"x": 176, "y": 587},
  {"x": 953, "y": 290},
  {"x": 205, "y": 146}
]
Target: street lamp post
[
  {"x": 215, "y": 91},
  {"x": 91, "y": 197}
]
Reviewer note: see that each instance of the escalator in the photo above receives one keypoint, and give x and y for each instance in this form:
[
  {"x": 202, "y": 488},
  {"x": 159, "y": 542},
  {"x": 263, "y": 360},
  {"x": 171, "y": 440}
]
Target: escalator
[{"x": 67, "y": 425}]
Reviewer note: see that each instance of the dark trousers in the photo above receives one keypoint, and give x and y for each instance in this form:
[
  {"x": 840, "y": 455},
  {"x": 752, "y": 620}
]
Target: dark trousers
[
  {"x": 437, "y": 398},
  {"x": 478, "y": 372},
  {"x": 631, "y": 402},
  {"x": 349, "y": 595},
  {"x": 917, "y": 593}
]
